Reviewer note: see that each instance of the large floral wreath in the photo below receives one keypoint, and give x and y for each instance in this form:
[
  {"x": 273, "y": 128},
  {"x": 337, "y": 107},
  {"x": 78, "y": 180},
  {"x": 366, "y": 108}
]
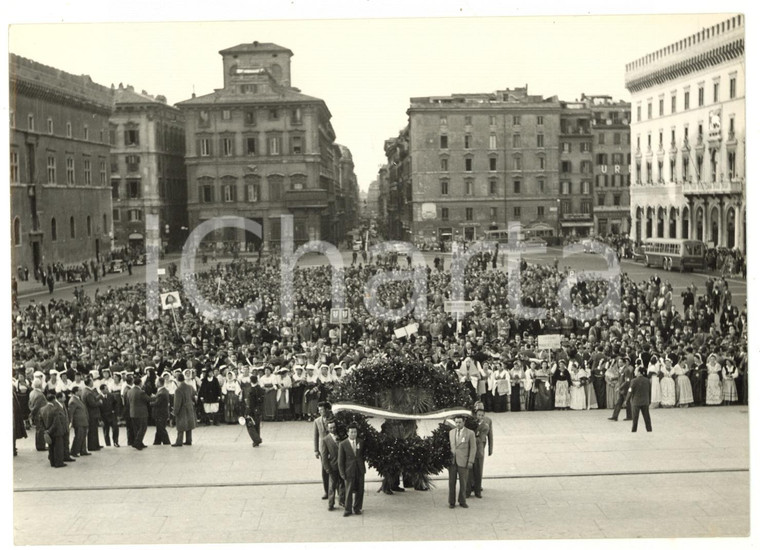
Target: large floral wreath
[{"x": 408, "y": 386}]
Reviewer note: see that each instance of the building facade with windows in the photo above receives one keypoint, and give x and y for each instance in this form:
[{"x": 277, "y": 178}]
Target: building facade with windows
[
  {"x": 147, "y": 139},
  {"x": 575, "y": 169},
  {"x": 399, "y": 199},
  {"x": 59, "y": 166},
  {"x": 480, "y": 162},
  {"x": 611, "y": 142},
  {"x": 688, "y": 138},
  {"x": 258, "y": 148}
]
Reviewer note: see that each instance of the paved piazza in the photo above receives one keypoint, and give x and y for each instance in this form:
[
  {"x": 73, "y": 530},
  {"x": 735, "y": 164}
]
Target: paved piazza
[{"x": 553, "y": 475}]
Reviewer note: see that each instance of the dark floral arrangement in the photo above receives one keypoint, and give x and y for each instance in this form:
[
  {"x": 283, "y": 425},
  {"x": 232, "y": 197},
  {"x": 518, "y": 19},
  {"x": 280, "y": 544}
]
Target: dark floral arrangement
[{"x": 403, "y": 385}]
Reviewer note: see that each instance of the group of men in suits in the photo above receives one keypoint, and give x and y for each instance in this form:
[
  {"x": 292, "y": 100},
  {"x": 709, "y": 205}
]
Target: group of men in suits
[
  {"x": 54, "y": 417},
  {"x": 343, "y": 462}
]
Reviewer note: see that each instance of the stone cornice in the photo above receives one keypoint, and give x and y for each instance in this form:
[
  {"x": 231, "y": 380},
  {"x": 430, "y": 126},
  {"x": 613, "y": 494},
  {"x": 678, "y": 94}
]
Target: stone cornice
[{"x": 679, "y": 69}]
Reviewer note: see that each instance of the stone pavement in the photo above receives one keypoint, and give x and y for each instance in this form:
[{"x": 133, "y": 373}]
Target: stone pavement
[{"x": 553, "y": 474}]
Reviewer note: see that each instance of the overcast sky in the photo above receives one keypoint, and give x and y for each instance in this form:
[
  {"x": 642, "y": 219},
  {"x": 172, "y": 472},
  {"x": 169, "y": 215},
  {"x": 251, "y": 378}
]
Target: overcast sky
[{"x": 367, "y": 69}]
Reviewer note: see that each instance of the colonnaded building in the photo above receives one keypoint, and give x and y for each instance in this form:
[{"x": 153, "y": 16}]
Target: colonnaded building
[{"x": 688, "y": 138}]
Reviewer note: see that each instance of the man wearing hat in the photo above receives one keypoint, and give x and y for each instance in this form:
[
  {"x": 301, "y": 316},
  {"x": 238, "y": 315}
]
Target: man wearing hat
[
  {"x": 37, "y": 402},
  {"x": 55, "y": 429}
]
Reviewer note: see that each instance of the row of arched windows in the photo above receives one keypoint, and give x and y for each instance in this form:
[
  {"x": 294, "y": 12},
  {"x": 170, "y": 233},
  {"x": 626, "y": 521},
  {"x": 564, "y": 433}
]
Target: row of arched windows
[{"x": 16, "y": 229}]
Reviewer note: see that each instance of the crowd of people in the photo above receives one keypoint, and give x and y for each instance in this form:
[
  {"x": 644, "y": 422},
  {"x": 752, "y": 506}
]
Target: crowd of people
[{"x": 274, "y": 368}]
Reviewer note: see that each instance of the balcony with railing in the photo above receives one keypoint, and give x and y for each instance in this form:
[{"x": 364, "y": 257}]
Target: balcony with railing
[
  {"x": 722, "y": 186},
  {"x": 306, "y": 198}
]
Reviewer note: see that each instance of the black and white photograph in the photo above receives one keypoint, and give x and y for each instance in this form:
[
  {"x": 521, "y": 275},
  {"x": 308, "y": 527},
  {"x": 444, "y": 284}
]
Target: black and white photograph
[{"x": 296, "y": 276}]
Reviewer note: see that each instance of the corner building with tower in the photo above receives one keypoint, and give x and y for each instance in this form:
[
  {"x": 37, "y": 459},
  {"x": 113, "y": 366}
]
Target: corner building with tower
[{"x": 258, "y": 148}]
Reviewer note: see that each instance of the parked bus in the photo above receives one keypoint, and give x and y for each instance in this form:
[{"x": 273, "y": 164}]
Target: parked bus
[
  {"x": 680, "y": 254},
  {"x": 503, "y": 236}
]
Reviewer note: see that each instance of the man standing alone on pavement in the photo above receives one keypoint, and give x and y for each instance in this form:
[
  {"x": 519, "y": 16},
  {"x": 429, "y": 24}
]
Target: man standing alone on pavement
[
  {"x": 623, "y": 385},
  {"x": 463, "y": 449},
  {"x": 80, "y": 422},
  {"x": 640, "y": 394}
]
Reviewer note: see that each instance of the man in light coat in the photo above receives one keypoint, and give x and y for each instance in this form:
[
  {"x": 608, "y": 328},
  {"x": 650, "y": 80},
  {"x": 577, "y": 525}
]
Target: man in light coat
[
  {"x": 463, "y": 449},
  {"x": 184, "y": 411}
]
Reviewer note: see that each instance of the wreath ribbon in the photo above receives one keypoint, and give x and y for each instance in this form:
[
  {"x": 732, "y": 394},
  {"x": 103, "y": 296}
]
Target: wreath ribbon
[{"x": 382, "y": 413}]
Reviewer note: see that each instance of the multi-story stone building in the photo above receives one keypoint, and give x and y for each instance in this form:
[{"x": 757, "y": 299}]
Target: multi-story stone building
[
  {"x": 611, "y": 145},
  {"x": 688, "y": 134},
  {"x": 147, "y": 139},
  {"x": 346, "y": 193},
  {"x": 483, "y": 161},
  {"x": 575, "y": 169},
  {"x": 258, "y": 148},
  {"x": 59, "y": 164},
  {"x": 399, "y": 205}
]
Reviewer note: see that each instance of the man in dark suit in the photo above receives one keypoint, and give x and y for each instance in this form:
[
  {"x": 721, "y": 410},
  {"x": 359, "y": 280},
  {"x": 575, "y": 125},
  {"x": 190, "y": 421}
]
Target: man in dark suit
[
  {"x": 624, "y": 383},
  {"x": 483, "y": 435},
  {"x": 328, "y": 451},
  {"x": 640, "y": 396},
  {"x": 184, "y": 411},
  {"x": 161, "y": 413},
  {"x": 80, "y": 423},
  {"x": 92, "y": 401},
  {"x": 352, "y": 469},
  {"x": 128, "y": 385},
  {"x": 53, "y": 420},
  {"x": 320, "y": 431},
  {"x": 138, "y": 411},
  {"x": 463, "y": 449},
  {"x": 109, "y": 411}
]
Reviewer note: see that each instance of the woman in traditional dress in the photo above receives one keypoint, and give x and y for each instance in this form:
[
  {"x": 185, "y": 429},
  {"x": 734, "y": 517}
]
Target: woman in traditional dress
[
  {"x": 500, "y": 387},
  {"x": 588, "y": 386},
  {"x": 730, "y": 372},
  {"x": 543, "y": 391},
  {"x": 296, "y": 392},
  {"x": 714, "y": 392},
  {"x": 311, "y": 394},
  {"x": 516, "y": 380},
  {"x": 231, "y": 393},
  {"x": 529, "y": 379},
  {"x": 561, "y": 383},
  {"x": 611, "y": 375},
  {"x": 667, "y": 384},
  {"x": 653, "y": 372},
  {"x": 683, "y": 384},
  {"x": 268, "y": 382},
  {"x": 577, "y": 393},
  {"x": 284, "y": 383}
]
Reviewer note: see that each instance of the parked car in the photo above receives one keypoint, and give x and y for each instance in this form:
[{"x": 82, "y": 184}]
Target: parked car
[
  {"x": 535, "y": 241},
  {"x": 117, "y": 266}
]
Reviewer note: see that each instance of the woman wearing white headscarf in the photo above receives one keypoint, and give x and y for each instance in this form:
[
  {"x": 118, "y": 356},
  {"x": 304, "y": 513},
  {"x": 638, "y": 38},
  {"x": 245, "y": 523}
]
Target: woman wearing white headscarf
[
  {"x": 667, "y": 384},
  {"x": 714, "y": 393},
  {"x": 577, "y": 393},
  {"x": 730, "y": 372},
  {"x": 683, "y": 384},
  {"x": 653, "y": 372},
  {"x": 231, "y": 391}
]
